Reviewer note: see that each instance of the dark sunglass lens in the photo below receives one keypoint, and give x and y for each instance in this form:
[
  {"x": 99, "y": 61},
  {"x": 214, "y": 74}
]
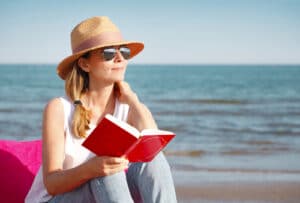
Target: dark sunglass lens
[
  {"x": 109, "y": 53},
  {"x": 125, "y": 51}
]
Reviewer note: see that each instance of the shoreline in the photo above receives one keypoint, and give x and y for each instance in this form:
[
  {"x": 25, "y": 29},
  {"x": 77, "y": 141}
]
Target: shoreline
[
  {"x": 268, "y": 191},
  {"x": 232, "y": 185}
]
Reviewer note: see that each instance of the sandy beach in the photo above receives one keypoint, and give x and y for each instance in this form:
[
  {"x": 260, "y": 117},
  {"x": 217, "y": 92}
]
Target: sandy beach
[
  {"x": 235, "y": 185},
  {"x": 275, "y": 192}
]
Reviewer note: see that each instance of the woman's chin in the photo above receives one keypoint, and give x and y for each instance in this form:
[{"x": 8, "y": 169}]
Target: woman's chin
[{"x": 120, "y": 78}]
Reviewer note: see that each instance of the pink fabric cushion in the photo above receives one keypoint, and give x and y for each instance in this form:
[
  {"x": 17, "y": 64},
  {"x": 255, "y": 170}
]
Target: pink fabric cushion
[{"x": 19, "y": 162}]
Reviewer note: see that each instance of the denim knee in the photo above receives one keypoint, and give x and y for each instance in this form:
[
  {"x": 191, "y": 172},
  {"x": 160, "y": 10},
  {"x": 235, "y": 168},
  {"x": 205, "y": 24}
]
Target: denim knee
[
  {"x": 112, "y": 188},
  {"x": 159, "y": 164},
  {"x": 153, "y": 180}
]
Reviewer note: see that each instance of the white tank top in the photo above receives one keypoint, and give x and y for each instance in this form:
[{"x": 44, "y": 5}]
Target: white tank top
[{"x": 75, "y": 153}]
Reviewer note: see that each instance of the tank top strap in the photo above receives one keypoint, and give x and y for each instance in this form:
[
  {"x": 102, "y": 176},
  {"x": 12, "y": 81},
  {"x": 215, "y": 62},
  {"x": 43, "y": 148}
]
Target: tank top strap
[{"x": 68, "y": 108}]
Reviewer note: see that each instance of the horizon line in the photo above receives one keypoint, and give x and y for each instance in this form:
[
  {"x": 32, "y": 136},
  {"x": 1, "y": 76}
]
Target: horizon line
[{"x": 166, "y": 64}]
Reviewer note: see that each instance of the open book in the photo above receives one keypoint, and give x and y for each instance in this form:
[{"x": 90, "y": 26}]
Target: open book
[{"x": 113, "y": 137}]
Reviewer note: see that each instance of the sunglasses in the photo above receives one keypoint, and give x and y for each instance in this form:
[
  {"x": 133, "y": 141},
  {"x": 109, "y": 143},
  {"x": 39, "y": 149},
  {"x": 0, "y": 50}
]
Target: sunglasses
[{"x": 110, "y": 52}]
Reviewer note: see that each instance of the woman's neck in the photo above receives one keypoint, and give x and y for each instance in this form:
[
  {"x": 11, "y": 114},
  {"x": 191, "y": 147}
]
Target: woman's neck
[{"x": 100, "y": 101}]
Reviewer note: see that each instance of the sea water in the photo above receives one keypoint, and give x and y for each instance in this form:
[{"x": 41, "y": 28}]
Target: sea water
[{"x": 227, "y": 118}]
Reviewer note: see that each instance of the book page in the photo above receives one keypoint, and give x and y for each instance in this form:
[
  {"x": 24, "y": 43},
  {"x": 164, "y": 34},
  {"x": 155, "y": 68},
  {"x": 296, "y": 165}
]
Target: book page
[
  {"x": 148, "y": 132},
  {"x": 132, "y": 130}
]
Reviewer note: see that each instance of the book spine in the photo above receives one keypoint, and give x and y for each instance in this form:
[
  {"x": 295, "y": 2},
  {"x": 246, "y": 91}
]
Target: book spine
[{"x": 127, "y": 152}]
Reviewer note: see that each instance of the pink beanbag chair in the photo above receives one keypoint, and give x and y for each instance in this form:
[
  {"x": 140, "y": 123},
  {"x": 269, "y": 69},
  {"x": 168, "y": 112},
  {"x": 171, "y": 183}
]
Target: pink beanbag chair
[{"x": 19, "y": 163}]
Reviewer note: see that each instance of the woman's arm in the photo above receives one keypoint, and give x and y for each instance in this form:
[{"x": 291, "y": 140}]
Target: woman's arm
[
  {"x": 56, "y": 179},
  {"x": 139, "y": 115}
]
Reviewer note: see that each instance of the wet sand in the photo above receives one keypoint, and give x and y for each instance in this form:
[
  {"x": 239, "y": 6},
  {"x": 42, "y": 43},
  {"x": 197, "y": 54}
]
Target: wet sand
[{"x": 229, "y": 192}]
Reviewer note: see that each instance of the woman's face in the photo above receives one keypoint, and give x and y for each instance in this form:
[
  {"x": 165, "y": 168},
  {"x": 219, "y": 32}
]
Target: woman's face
[{"x": 111, "y": 69}]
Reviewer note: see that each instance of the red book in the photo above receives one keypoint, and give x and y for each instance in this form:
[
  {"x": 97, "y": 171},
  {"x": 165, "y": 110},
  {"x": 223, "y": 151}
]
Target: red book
[{"x": 113, "y": 137}]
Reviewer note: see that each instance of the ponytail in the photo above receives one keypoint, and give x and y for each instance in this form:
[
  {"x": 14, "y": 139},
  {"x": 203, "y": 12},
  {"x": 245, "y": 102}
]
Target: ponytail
[{"x": 76, "y": 85}]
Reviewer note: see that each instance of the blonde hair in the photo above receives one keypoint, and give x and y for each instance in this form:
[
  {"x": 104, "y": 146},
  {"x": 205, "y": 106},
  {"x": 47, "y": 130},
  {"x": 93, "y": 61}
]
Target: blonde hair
[{"x": 76, "y": 85}]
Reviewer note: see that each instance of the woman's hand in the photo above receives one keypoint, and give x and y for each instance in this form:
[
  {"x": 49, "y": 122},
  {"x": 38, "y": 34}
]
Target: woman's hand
[
  {"x": 104, "y": 165},
  {"x": 125, "y": 93},
  {"x": 139, "y": 115}
]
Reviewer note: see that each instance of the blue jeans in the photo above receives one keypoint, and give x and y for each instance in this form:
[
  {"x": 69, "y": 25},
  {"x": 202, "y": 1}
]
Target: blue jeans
[{"x": 143, "y": 182}]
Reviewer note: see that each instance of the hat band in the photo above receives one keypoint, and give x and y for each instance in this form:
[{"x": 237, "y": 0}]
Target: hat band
[{"x": 98, "y": 40}]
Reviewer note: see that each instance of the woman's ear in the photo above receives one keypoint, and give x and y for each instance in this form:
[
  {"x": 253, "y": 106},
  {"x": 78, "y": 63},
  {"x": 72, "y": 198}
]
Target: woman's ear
[{"x": 83, "y": 64}]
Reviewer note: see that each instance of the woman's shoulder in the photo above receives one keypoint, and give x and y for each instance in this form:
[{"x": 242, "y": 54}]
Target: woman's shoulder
[
  {"x": 54, "y": 105},
  {"x": 58, "y": 102}
]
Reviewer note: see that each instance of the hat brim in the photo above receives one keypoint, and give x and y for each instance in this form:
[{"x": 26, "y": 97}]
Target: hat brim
[{"x": 66, "y": 65}]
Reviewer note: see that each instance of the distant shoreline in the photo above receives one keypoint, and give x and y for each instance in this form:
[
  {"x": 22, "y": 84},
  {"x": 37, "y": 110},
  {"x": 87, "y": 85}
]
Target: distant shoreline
[{"x": 174, "y": 64}]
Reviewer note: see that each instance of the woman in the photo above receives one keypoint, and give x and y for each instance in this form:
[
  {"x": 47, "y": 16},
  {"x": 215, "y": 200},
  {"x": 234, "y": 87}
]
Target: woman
[{"x": 94, "y": 85}]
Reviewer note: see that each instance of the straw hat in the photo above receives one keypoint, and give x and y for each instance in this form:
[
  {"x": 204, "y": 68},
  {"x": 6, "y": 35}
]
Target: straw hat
[{"x": 94, "y": 33}]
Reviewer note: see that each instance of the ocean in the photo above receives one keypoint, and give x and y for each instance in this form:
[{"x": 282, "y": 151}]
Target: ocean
[{"x": 229, "y": 120}]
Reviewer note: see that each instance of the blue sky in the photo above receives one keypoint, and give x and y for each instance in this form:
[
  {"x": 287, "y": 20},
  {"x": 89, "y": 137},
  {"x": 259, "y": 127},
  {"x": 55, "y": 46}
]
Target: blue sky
[{"x": 187, "y": 31}]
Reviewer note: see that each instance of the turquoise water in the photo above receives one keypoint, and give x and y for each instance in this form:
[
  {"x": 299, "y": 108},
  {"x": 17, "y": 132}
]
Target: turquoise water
[{"x": 227, "y": 118}]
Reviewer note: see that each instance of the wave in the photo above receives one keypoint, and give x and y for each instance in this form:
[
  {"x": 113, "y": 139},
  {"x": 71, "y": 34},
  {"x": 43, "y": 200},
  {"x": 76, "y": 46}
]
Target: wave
[
  {"x": 229, "y": 101},
  {"x": 285, "y": 124},
  {"x": 190, "y": 153},
  {"x": 259, "y": 151},
  {"x": 186, "y": 167},
  {"x": 265, "y": 147},
  {"x": 281, "y": 132},
  {"x": 20, "y": 110},
  {"x": 231, "y": 113},
  {"x": 8, "y": 110},
  {"x": 202, "y": 101}
]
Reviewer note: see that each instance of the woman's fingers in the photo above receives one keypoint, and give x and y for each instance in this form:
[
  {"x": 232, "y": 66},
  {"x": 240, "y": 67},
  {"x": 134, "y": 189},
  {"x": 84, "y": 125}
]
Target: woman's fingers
[
  {"x": 104, "y": 165},
  {"x": 125, "y": 94},
  {"x": 113, "y": 165},
  {"x": 115, "y": 161}
]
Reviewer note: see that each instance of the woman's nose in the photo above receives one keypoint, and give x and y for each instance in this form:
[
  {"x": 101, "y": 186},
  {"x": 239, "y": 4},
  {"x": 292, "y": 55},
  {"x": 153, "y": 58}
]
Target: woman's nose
[{"x": 119, "y": 56}]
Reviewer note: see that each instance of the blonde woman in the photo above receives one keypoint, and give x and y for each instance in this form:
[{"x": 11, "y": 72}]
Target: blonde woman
[{"x": 94, "y": 85}]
